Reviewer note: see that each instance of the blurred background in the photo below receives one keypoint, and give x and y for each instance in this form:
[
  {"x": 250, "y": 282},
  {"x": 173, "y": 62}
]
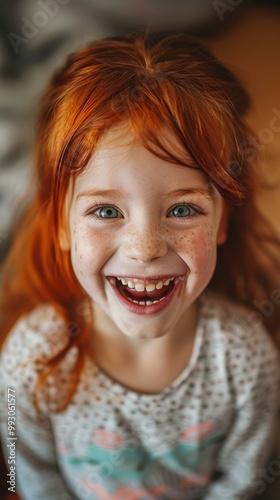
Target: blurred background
[{"x": 36, "y": 36}]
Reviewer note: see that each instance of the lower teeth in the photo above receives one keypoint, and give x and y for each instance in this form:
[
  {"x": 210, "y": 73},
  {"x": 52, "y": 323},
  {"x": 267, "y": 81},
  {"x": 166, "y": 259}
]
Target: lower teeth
[{"x": 147, "y": 303}]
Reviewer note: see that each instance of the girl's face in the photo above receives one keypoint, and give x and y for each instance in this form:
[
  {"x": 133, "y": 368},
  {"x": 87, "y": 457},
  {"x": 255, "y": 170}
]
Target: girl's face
[{"x": 143, "y": 235}]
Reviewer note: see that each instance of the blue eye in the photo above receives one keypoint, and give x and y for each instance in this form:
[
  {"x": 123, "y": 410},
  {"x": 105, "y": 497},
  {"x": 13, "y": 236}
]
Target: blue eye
[
  {"x": 107, "y": 212},
  {"x": 181, "y": 211}
]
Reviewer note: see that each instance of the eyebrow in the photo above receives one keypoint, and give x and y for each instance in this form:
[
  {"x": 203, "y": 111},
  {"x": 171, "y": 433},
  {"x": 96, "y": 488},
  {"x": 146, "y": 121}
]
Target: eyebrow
[
  {"x": 102, "y": 193},
  {"x": 207, "y": 191}
]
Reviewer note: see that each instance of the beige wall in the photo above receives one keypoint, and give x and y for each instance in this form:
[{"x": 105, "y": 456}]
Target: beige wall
[{"x": 251, "y": 48}]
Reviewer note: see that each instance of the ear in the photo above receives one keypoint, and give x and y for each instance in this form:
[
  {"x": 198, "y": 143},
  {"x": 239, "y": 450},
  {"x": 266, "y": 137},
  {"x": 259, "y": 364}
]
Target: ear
[
  {"x": 223, "y": 226},
  {"x": 64, "y": 241}
]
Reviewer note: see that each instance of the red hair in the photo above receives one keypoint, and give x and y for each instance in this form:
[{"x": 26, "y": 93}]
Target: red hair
[{"x": 153, "y": 84}]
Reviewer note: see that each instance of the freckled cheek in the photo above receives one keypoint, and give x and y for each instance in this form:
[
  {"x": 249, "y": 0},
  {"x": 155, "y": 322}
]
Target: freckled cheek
[
  {"x": 89, "y": 251},
  {"x": 197, "y": 246}
]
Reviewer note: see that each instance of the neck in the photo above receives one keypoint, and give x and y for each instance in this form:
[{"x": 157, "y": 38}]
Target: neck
[
  {"x": 107, "y": 336},
  {"x": 143, "y": 365}
]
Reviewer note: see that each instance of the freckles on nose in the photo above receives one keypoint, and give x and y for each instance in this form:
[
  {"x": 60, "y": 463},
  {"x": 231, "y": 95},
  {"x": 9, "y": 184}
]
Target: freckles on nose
[
  {"x": 144, "y": 241},
  {"x": 144, "y": 237}
]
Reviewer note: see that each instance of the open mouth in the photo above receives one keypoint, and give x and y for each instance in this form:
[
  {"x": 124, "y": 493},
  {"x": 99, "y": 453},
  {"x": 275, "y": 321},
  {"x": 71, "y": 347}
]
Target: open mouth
[{"x": 146, "y": 292}]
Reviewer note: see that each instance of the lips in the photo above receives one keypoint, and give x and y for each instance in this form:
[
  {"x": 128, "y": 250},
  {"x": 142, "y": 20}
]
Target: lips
[{"x": 147, "y": 296}]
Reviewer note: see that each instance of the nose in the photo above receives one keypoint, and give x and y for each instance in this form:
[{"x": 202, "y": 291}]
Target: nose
[{"x": 145, "y": 245}]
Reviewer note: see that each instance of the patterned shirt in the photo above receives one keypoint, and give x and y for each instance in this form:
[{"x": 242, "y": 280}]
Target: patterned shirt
[{"x": 207, "y": 435}]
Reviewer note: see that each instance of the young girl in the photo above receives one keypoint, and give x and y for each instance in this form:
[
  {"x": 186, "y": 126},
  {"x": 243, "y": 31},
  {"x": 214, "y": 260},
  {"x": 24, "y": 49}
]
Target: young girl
[{"x": 133, "y": 374}]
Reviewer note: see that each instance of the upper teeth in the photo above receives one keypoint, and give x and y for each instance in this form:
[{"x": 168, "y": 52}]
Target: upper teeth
[{"x": 140, "y": 287}]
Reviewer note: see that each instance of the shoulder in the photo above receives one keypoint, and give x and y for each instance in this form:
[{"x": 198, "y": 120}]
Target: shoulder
[
  {"x": 35, "y": 337},
  {"x": 238, "y": 330},
  {"x": 244, "y": 356},
  {"x": 39, "y": 333}
]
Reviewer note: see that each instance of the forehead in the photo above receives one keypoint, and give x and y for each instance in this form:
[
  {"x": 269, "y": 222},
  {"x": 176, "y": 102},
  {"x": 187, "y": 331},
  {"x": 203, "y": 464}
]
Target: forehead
[
  {"x": 122, "y": 140},
  {"x": 120, "y": 158},
  {"x": 122, "y": 136}
]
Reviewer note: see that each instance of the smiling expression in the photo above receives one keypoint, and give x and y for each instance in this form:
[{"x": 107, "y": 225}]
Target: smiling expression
[{"x": 142, "y": 236}]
